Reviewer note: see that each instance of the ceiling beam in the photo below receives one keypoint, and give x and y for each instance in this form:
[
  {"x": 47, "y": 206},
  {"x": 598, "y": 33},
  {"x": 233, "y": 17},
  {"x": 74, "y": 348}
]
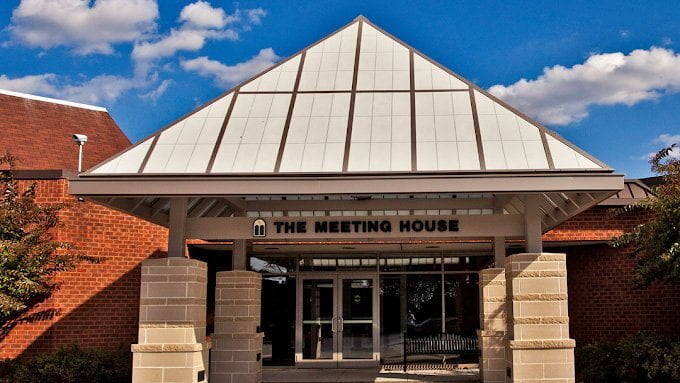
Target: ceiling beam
[
  {"x": 202, "y": 207},
  {"x": 364, "y": 204},
  {"x": 126, "y": 206}
]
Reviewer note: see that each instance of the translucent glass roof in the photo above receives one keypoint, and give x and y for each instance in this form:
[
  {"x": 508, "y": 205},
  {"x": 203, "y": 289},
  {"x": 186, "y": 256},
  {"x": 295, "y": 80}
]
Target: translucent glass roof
[{"x": 357, "y": 101}]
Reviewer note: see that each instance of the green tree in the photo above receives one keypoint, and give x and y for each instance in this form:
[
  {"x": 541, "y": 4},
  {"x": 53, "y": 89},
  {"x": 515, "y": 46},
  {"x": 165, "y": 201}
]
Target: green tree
[
  {"x": 657, "y": 242},
  {"x": 29, "y": 255}
]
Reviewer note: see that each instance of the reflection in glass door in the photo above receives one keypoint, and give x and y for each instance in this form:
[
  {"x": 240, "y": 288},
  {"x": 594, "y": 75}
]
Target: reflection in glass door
[
  {"x": 338, "y": 321},
  {"x": 318, "y": 319}
]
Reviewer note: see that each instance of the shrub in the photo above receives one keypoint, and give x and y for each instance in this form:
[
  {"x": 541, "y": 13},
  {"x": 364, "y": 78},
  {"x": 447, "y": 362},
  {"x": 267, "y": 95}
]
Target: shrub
[
  {"x": 70, "y": 364},
  {"x": 639, "y": 358}
]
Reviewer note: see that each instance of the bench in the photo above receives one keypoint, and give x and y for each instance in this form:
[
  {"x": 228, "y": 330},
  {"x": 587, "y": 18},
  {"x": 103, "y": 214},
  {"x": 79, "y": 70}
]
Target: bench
[{"x": 440, "y": 344}]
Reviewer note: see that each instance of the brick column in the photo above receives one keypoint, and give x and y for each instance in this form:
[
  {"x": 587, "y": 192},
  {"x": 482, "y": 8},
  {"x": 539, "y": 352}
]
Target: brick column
[
  {"x": 492, "y": 318},
  {"x": 237, "y": 343},
  {"x": 172, "y": 345},
  {"x": 539, "y": 348}
]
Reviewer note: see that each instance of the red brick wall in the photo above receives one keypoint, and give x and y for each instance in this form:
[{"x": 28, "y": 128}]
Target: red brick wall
[
  {"x": 596, "y": 224},
  {"x": 605, "y": 305},
  {"x": 97, "y": 304},
  {"x": 603, "y": 302}
]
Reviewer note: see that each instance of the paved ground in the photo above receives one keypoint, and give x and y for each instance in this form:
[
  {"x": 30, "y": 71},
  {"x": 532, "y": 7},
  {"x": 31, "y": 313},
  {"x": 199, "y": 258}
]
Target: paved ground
[{"x": 295, "y": 375}]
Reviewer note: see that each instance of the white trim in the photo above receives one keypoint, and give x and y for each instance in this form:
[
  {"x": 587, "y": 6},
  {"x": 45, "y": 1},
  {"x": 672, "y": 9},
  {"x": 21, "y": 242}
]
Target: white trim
[{"x": 52, "y": 100}]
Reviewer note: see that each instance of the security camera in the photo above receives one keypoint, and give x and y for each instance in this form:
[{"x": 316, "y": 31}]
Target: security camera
[{"x": 79, "y": 139}]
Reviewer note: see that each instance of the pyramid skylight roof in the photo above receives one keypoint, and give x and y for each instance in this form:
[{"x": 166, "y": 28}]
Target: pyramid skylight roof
[{"x": 357, "y": 101}]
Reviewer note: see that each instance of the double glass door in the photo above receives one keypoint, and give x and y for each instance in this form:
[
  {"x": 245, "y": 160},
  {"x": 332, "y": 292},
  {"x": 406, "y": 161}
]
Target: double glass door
[{"x": 337, "y": 321}]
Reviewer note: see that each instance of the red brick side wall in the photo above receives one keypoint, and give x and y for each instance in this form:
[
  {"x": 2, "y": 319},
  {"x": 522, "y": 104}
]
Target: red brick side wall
[
  {"x": 603, "y": 302},
  {"x": 596, "y": 224},
  {"x": 97, "y": 304},
  {"x": 605, "y": 305}
]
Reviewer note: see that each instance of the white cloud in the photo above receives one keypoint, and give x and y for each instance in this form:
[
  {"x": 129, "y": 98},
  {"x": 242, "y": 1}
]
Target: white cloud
[
  {"x": 95, "y": 91},
  {"x": 255, "y": 15},
  {"x": 227, "y": 75},
  {"x": 200, "y": 22},
  {"x": 562, "y": 95},
  {"x": 155, "y": 94},
  {"x": 667, "y": 140},
  {"x": 663, "y": 141},
  {"x": 86, "y": 28},
  {"x": 32, "y": 84},
  {"x": 202, "y": 15}
]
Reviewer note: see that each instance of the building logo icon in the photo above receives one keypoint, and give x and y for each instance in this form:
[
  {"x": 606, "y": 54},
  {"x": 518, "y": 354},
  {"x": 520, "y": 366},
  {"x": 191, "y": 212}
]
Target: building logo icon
[{"x": 259, "y": 228}]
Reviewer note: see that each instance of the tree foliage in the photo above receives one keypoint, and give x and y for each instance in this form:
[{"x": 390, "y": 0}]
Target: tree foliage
[
  {"x": 657, "y": 242},
  {"x": 29, "y": 255}
]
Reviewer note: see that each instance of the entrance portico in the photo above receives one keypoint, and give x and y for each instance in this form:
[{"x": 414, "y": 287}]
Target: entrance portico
[{"x": 358, "y": 140}]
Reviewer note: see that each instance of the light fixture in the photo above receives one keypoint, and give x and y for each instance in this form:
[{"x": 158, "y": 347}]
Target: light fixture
[{"x": 79, "y": 139}]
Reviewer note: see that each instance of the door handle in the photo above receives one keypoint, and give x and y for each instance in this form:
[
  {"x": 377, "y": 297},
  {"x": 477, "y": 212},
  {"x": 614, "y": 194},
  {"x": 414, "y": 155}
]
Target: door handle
[
  {"x": 342, "y": 324},
  {"x": 333, "y": 325}
]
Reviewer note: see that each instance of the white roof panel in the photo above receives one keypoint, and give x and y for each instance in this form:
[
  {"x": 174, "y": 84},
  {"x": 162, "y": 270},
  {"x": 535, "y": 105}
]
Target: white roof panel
[{"x": 358, "y": 100}]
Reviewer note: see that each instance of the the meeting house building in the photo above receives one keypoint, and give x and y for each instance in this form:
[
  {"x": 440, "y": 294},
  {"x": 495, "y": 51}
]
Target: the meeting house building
[{"x": 368, "y": 206}]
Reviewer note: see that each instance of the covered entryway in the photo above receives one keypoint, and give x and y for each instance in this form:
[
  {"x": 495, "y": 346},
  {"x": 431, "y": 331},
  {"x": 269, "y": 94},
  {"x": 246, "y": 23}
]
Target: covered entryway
[{"x": 358, "y": 139}]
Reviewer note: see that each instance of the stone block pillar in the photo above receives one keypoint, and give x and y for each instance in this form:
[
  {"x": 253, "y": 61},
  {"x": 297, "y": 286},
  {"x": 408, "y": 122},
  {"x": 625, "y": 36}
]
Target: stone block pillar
[
  {"x": 492, "y": 318},
  {"x": 172, "y": 346},
  {"x": 539, "y": 347},
  {"x": 237, "y": 342}
]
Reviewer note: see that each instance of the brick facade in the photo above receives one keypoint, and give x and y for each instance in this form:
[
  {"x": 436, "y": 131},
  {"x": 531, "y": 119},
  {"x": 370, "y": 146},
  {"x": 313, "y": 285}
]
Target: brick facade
[
  {"x": 605, "y": 305},
  {"x": 603, "y": 302},
  {"x": 96, "y": 304}
]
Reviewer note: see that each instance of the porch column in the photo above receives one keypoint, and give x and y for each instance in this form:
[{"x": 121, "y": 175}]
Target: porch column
[
  {"x": 492, "y": 318},
  {"x": 539, "y": 348},
  {"x": 237, "y": 342},
  {"x": 177, "y": 227},
  {"x": 172, "y": 345},
  {"x": 239, "y": 255},
  {"x": 533, "y": 243}
]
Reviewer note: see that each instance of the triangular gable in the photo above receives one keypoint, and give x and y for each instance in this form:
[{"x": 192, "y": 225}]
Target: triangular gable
[{"x": 357, "y": 101}]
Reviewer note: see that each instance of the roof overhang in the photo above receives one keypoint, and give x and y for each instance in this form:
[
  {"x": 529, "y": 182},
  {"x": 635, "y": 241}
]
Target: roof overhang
[
  {"x": 347, "y": 184},
  {"x": 562, "y": 194}
]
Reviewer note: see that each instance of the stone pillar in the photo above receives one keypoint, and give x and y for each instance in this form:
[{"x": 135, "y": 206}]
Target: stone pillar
[
  {"x": 172, "y": 345},
  {"x": 492, "y": 318},
  {"x": 237, "y": 342},
  {"x": 539, "y": 348}
]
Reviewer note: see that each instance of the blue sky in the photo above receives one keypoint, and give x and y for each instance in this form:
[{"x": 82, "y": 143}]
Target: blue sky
[{"x": 603, "y": 74}]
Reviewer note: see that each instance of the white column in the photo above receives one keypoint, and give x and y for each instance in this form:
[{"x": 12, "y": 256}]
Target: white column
[
  {"x": 177, "y": 227},
  {"x": 532, "y": 224}
]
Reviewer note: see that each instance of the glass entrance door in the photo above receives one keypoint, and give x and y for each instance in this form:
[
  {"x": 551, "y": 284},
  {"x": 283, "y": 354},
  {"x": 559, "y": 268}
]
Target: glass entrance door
[{"x": 337, "y": 321}]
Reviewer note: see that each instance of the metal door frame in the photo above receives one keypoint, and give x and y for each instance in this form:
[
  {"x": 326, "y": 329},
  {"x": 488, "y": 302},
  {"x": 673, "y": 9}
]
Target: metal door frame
[{"x": 337, "y": 361}]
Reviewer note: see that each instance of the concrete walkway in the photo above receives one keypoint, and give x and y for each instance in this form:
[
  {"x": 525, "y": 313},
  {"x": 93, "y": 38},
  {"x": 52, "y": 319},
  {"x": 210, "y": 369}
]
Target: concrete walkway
[{"x": 310, "y": 375}]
